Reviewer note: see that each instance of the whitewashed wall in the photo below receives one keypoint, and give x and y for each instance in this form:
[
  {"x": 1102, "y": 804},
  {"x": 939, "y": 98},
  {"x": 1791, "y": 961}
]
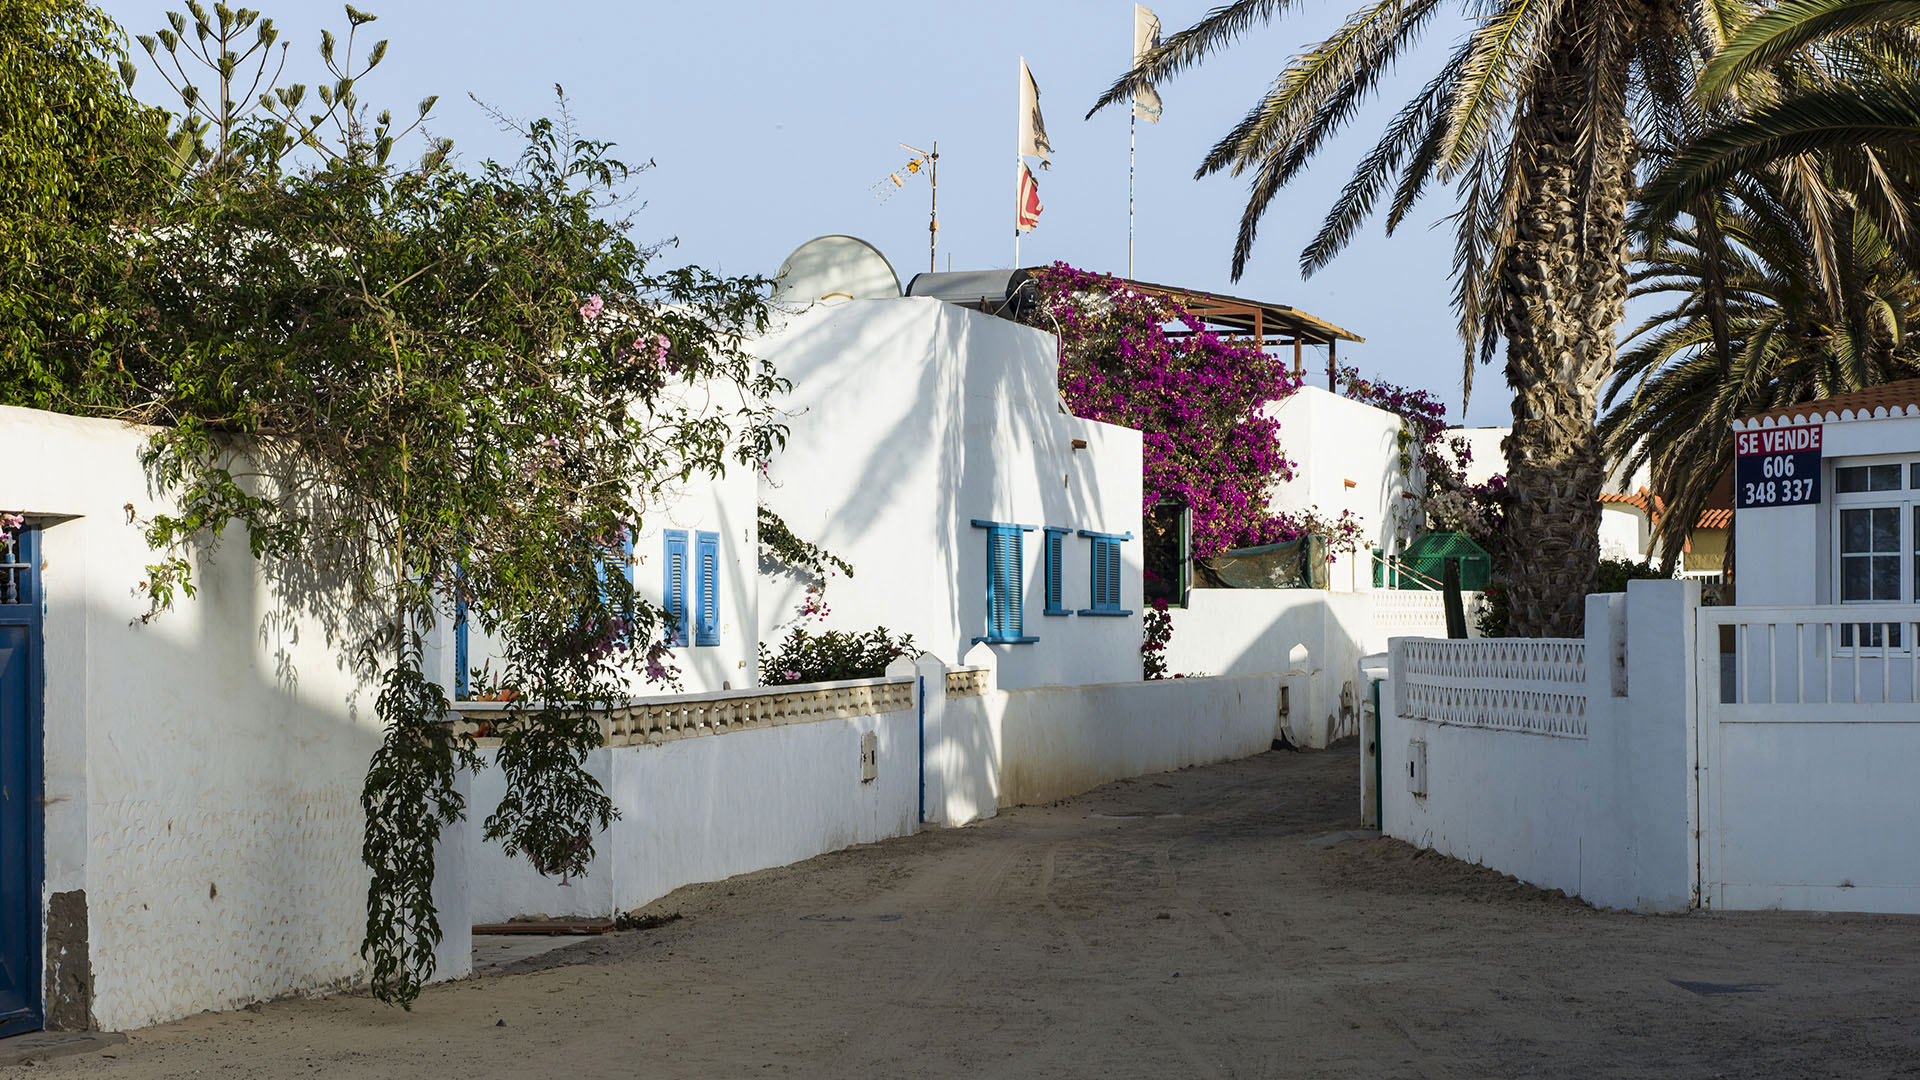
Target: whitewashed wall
[
  {"x": 1625, "y": 532},
  {"x": 725, "y": 505},
  {"x": 1000, "y": 747},
  {"x": 1311, "y": 636},
  {"x": 1596, "y": 801},
  {"x": 910, "y": 418},
  {"x": 1486, "y": 457},
  {"x": 204, "y": 770},
  {"x": 1333, "y": 441},
  {"x": 1785, "y": 553},
  {"x": 707, "y": 807}
]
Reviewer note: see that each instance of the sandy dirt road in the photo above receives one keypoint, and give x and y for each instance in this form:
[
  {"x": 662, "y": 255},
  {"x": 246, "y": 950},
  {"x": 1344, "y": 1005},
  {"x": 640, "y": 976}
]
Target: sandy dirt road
[{"x": 1205, "y": 923}]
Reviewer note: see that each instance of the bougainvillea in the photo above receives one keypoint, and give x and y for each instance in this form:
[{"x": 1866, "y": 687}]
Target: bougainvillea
[{"x": 1208, "y": 439}]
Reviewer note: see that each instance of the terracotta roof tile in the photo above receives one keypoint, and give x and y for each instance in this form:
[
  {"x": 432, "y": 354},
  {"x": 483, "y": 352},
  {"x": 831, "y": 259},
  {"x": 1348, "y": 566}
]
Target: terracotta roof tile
[
  {"x": 1644, "y": 501},
  {"x": 1895, "y": 397}
]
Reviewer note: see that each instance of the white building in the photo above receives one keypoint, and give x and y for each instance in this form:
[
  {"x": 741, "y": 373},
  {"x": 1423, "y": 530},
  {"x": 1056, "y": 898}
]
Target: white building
[
  {"x": 1828, "y": 500},
  {"x": 929, "y": 448}
]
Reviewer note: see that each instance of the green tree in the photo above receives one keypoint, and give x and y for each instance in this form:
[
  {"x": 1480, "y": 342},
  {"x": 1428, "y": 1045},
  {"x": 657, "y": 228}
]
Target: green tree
[
  {"x": 76, "y": 152},
  {"x": 1821, "y": 95},
  {"x": 1532, "y": 120},
  {"x": 1752, "y": 327},
  {"x": 412, "y": 387}
]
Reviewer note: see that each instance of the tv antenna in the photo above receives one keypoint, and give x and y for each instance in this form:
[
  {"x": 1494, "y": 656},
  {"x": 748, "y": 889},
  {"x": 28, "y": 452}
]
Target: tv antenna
[{"x": 927, "y": 161}]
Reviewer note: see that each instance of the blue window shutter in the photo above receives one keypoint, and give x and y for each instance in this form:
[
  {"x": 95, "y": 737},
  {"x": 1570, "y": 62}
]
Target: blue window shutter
[
  {"x": 1055, "y": 541},
  {"x": 1006, "y": 582},
  {"x": 707, "y": 575},
  {"x": 674, "y": 586},
  {"x": 461, "y": 685},
  {"x": 1112, "y": 573},
  {"x": 1105, "y": 572},
  {"x": 1003, "y": 584},
  {"x": 1016, "y": 621}
]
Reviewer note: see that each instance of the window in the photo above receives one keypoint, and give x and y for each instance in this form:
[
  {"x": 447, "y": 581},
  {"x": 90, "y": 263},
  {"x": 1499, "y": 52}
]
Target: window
[
  {"x": 1167, "y": 552},
  {"x": 1854, "y": 478},
  {"x": 673, "y": 587},
  {"x": 1876, "y": 548},
  {"x": 1869, "y": 554},
  {"x": 1056, "y": 542},
  {"x": 1006, "y": 582},
  {"x": 706, "y": 630},
  {"x": 1105, "y": 573}
]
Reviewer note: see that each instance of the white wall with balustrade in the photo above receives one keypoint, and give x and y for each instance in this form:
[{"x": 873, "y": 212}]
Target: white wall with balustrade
[{"x": 1566, "y": 763}]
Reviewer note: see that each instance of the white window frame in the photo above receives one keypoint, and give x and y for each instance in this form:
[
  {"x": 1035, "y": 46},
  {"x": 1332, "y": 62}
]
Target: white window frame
[{"x": 1905, "y": 499}]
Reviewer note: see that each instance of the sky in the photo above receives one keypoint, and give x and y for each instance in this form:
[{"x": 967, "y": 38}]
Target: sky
[{"x": 769, "y": 123}]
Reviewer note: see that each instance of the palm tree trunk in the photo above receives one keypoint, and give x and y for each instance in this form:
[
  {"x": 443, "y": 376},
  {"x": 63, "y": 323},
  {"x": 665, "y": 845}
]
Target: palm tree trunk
[{"x": 1565, "y": 289}]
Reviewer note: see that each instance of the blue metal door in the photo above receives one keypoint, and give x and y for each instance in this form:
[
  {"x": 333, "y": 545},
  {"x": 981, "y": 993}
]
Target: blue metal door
[{"x": 20, "y": 786}]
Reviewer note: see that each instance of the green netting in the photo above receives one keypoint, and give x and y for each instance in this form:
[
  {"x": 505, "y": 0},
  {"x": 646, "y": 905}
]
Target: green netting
[{"x": 1425, "y": 561}]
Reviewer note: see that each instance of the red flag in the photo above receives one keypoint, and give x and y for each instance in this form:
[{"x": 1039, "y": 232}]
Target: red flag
[{"x": 1026, "y": 206}]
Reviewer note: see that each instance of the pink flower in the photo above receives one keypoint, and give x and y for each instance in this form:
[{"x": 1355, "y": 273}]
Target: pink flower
[
  {"x": 591, "y": 309},
  {"x": 660, "y": 346}
]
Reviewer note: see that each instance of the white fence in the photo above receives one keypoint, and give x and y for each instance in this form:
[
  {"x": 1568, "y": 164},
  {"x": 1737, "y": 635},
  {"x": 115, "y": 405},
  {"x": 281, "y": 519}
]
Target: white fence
[
  {"x": 1415, "y": 613},
  {"x": 1565, "y": 762},
  {"x": 712, "y": 785},
  {"x": 1537, "y": 686},
  {"x": 1730, "y": 757},
  {"x": 1809, "y": 729}
]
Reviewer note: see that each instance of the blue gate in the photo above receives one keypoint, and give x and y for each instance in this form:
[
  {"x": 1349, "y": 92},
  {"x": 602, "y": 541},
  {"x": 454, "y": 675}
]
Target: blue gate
[{"x": 20, "y": 784}]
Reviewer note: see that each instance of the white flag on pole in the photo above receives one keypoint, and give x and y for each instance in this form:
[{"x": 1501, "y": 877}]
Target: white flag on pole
[
  {"x": 1146, "y": 37},
  {"x": 1033, "y": 130}
]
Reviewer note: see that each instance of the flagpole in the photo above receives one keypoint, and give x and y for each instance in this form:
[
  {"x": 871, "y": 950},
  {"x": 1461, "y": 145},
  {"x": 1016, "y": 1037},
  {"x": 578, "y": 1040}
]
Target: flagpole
[
  {"x": 1018, "y": 86},
  {"x": 1133, "y": 122}
]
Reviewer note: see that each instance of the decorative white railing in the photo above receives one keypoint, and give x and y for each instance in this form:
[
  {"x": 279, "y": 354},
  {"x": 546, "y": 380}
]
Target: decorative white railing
[
  {"x": 967, "y": 682},
  {"x": 1532, "y": 685},
  {"x": 680, "y": 716},
  {"x": 1830, "y": 654},
  {"x": 1414, "y": 612}
]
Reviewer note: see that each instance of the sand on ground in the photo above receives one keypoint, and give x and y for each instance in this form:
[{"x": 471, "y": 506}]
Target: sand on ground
[{"x": 1204, "y": 923}]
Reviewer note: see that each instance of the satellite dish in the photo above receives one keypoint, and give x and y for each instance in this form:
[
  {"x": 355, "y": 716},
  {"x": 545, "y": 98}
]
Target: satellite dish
[{"x": 835, "y": 268}]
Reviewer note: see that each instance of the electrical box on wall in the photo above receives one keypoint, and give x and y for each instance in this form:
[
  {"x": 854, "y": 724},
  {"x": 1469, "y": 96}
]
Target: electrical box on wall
[
  {"x": 1417, "y": 766},
  {"x": 869, "y": 757}
]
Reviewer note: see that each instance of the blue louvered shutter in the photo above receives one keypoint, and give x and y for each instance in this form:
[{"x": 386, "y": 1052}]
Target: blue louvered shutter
[
  {"x": 706, "y": 630},
  {"x": 1003, "y": 583},
  {"x": 462, "y": 685},
  {"x": 1099, "y": 577},
  {"x": 1113, "y": 573},
  {"x": 674, "y": 586},
  {"x": 1055, "y": 569}
]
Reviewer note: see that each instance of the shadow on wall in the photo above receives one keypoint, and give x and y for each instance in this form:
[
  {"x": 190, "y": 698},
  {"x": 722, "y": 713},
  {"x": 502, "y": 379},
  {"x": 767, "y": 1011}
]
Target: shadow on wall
[
  {"x": 912, "y": 418},
  {"x": 203, "y": 794}
]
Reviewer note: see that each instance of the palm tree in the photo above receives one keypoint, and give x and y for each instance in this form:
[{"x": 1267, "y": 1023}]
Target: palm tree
[
  {"x": 1532, "y": 119},
  {"x": 1775, "y": 336},
  {"x": 1832, "y": 85}
]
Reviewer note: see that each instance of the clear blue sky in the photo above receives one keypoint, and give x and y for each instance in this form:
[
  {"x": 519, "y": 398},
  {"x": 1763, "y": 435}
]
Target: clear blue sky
[{"x": 769, "y": 122}]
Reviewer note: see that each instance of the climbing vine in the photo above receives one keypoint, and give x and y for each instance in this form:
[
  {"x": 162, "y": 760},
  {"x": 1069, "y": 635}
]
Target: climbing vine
[{"x": 412, "y": 386}]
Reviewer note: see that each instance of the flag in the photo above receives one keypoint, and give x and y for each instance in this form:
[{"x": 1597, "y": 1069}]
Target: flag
[
  {"x": 1146, "y": 37},
  {"x": 1033, "y": 130},
  {"x": 1026, "y": 202}
]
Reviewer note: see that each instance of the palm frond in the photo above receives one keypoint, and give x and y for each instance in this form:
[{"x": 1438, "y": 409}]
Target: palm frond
[{"x": 1785, "y": 28}]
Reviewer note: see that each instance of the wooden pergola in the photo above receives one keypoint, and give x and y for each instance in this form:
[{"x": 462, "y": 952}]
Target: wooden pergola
[{"x": 1256, "y": 321}]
